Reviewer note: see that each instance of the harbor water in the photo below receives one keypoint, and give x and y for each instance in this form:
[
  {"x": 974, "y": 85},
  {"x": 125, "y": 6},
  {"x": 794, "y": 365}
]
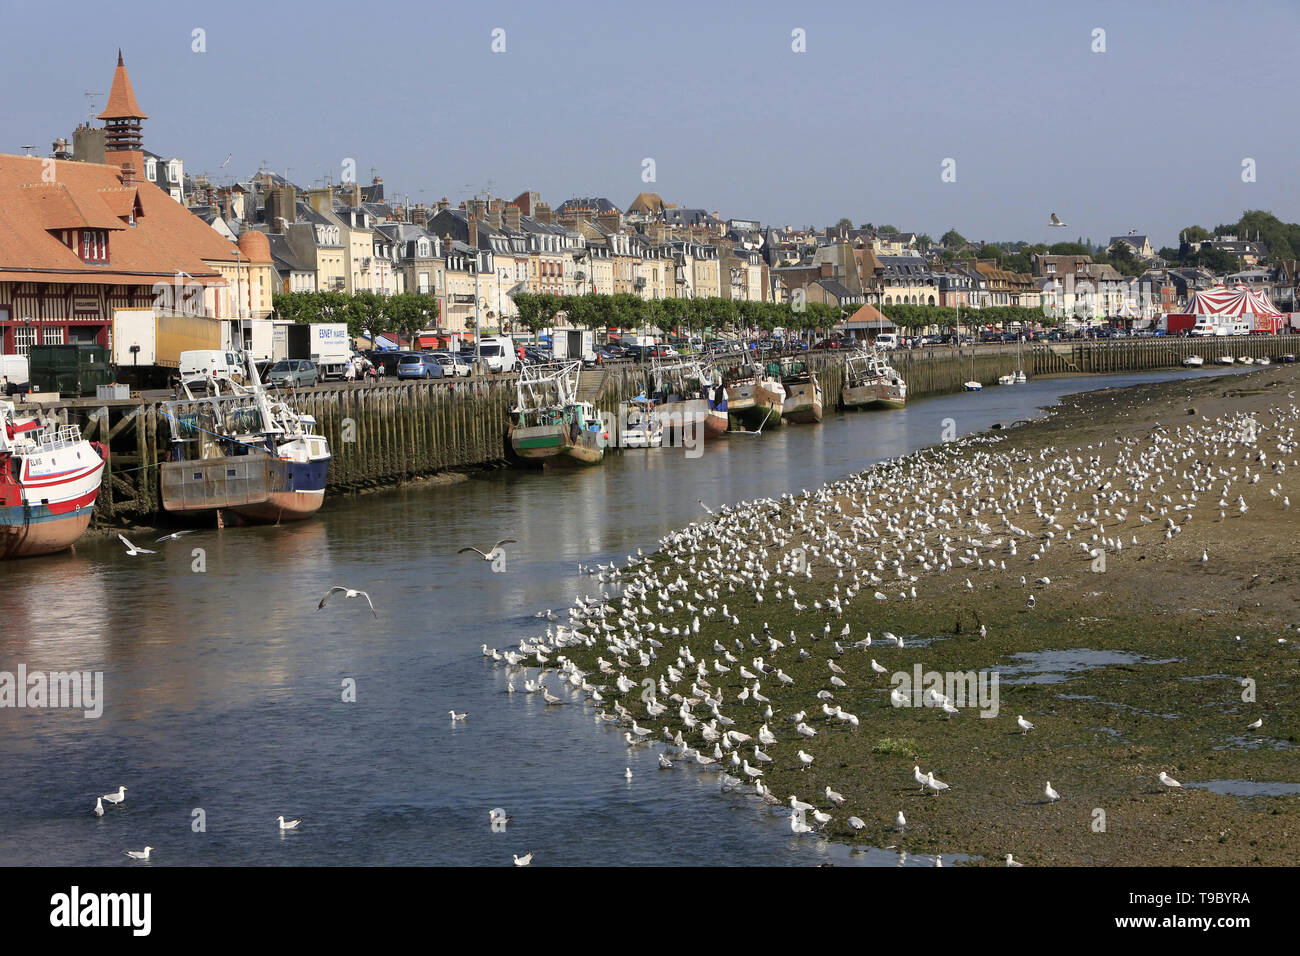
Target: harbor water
[{"x": 224, "y": 686}]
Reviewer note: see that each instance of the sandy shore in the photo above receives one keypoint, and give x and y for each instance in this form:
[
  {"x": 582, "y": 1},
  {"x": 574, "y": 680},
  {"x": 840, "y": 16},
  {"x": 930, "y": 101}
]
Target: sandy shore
[{"x": 1155, "y": 649}]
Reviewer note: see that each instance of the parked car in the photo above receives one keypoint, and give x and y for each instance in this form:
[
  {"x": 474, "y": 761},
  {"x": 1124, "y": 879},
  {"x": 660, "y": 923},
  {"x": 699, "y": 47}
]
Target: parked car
[
  {"x": 420, "y": 365},
  {"x": 384, "y": 359},
  {"x": 292, "y": 373},
  {"x": 453, "y": 364}
]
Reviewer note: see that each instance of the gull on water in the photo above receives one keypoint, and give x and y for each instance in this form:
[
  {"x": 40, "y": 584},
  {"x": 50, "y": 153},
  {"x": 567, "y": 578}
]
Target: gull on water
[
  {"x": 456, "y": 717},
  {"x": 116, "y": 798},
  {"x": 523, "y": 860},
  {"x": 498, "y": 817},
  {"x": 347, "y": 593},
  {"x": 99, "y": 806},
  {"x": 139, "y": 854},
  {"x": 288, "y": 824}
]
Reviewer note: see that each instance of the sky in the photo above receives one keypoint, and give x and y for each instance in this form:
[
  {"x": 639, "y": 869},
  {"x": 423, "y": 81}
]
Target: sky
[{"x": 1145, "y": 127}]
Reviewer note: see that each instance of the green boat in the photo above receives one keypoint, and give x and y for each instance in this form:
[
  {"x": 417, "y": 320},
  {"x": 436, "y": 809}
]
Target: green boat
[{"x": 548, "y": 427}]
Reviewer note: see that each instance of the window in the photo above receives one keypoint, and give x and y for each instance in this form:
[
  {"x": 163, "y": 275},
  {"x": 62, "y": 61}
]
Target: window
[
  {"x": 151, "y": 169},
  {"x": 24, "y": 338},
  {"x": 52, "y": 336},
  {"x": 94, "y": 245}
]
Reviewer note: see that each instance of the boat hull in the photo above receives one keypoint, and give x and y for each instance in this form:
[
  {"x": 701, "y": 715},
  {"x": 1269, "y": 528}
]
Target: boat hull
[
  {"x": 29, "y": 530},
  {"x": 872, "y": 396},
  {"x": 674, "y": 416},
  {"x": 47, "y": 498},
  {"x": 803, "y": 404},
  {"x": 256, "y": 487},
  {"x": 553, "y": 446},
  {"x": 756, "y": 405}
]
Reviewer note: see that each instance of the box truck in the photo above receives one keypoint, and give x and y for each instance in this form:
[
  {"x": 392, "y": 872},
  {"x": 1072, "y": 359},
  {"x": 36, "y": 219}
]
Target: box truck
[
  {"x": 147, "y": 344},
  {"x": 571, "y": 344},
  {"x": 327, "y": 344}
]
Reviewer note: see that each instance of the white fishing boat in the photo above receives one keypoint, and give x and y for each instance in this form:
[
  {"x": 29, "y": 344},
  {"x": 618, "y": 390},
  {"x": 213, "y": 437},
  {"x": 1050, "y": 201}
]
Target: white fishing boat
[
  {"x": 1007, "y": 379},
  {"x": 689, "y": 397},
  {"x": 548, "y": 426},
  {"x": 1227, "y": 360},
  {"x": 803, "y": 392},
  {"x": 871, "y": 382},
  {"x": 640, "y": 428},
  {"x": 1193, "y": 361}
]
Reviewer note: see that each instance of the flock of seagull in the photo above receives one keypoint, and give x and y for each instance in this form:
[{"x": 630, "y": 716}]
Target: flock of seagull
[
  {"x": 119, "y": 798},
  {"x": 666, "y": 643}
]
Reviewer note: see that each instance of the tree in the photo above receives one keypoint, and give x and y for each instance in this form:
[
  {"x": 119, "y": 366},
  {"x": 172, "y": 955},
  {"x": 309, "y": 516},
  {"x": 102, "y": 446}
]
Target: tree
[
  {"x": 924, "y": 242},
  {"x": 952, "y": 239},
  {"x": 1069, "y": 249},
  {"x": 845, "y": 223}
]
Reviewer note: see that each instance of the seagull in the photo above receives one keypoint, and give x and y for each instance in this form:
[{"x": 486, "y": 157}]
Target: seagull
[
  {"x": 856, "y": 823},
  {"x": 288, "y": 824},
  {"x": 99, "y": 806},
  {"x": 1011, "y": 862},
  {"x": 226, "y": 162},
  {"x": 172, "y": 537},
  {"x": 347, "y": 593},
  {"x": 497, "y": 814},
  {"x": 1168, "y": 781},
  {"x": 1052, "y": 795},
  {"x": 1256, "y": 725},
  {"x": 664, "y": 762},
  {"x": 935, "y": 785},
  {"x": 900, "y": 821},
  {"x": 628, "y": 773},
  {"x": 878, "y": 668},
  {"x": 1024, "y": 725},
  {"x": 1055, "y": 221},
  {"x": 523, "y": 860},
  {"x": 1032, "y": 602},
  {"x": 492, "y": 554},
  {"x": 116, "y": 798},
  {"x": 139, "y": 854},
  {"x": 132, "y": 550},
  {"x": 704, "y": 506},
  {"x": 455, "y": 716}
]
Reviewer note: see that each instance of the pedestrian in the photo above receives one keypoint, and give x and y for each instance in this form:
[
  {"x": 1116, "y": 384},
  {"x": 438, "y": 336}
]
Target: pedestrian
[{"x": 351, "y": 373}]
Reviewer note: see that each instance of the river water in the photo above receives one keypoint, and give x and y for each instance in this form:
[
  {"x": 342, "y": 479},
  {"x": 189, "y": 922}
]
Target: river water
[{"x": 223, "y": 688}]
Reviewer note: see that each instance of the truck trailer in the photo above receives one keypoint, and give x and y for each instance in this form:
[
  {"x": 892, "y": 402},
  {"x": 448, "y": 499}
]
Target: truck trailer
[
  {"x": 147, "y": 344},
  {"x": 326, "y": 344}
]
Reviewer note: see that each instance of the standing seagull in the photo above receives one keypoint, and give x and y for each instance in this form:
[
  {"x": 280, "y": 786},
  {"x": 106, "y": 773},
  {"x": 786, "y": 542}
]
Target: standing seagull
[
  {"x": 288, "y": 824},
  {"x": 1168, "y": 781},
  {"x": 132, "y": 550},
  {"x": 347, "y": 593},
  {"x": 99, "y": 806},
  {"x": 1051, "y": 794},
  {"x": 116, "y": 798},
  {"x": 494, "y": 553},
  {"x": 1024, "y": 725}
]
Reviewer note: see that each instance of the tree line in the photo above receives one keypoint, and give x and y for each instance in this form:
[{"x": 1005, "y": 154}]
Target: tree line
[{"x": 364, "y": 312}]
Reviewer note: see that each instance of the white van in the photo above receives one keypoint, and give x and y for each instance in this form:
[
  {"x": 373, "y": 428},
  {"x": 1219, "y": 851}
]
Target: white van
[
  {"x": 886, "y": 340},
  {"x": 498, "y": 353},
  {"x": 207, "y": 362}
]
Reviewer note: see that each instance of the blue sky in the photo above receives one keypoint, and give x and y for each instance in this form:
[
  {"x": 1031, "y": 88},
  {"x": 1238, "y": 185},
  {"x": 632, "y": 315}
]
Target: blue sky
[{"x": 1148, "y": 135}]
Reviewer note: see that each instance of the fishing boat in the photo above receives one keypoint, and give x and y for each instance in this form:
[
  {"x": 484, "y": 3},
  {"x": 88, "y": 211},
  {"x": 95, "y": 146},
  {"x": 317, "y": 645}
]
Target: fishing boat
[
  {"x": 1264, "y": 361},
  {"x": 49, "y": 479},
  {"x": 803, "y": 393},
  {"x": 639, "y": 427},
  {"x": 548, "y": 425},
  {"x": 1226, "y": 360},
  {"x": 754, "y": 395},
  {"x": 1288, "y": 357},
  {"x": 689, "y": 396},
  {"x": 972, "y": 386},
  {"x": 871, "y": 382},
  {"x": 1193, "y": 361},
  {"x": 243, "y": 449},
  {"x": 1009, "y": 379},
  {"x": 1245, "y": 360}
]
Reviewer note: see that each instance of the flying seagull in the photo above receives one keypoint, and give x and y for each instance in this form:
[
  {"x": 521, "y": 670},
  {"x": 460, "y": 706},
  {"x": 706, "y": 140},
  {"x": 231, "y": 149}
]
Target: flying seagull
[
  {"x": 288, "y": 824},
  {"x": 132, "y": 550},
  {"x": 173, "y": 536},
  {"x": 490, "y": 555},
  {"x": 1056, "y": 221},
  {"x": 226, "y": 161},
  {"x": 347, "y": 593}
]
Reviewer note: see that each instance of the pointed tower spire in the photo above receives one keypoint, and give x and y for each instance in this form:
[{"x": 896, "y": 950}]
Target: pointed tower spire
[{"x": 123, "y": 141}]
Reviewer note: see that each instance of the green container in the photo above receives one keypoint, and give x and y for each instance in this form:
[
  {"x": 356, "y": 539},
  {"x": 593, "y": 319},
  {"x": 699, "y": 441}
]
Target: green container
[{"x": 73, "y": 370}]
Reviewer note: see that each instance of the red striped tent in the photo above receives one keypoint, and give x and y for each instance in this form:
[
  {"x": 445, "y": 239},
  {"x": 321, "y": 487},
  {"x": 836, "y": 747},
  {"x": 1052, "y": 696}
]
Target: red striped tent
[{"x": 1237, "y": 302}]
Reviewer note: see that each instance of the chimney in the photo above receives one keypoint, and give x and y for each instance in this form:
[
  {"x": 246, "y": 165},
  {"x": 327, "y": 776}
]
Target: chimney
[
  {"x": 473, "y": 232},
  {"x": 128, "y": 174},
  {"x": 512, "y": 217},
  {"x": 826, "y": 271},
  {"x": 494, "y": 217}
]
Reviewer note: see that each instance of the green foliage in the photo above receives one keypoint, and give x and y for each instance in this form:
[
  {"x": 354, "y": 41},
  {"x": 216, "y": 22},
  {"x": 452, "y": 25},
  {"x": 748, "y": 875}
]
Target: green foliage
[
  {"x": 952, "y": 239},
  {"x": 1069, "y": 249},
  {"x": 364, "y": 312}
]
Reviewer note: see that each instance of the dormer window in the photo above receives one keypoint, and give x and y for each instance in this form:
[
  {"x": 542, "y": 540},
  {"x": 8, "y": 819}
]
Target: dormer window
[
  {"x": 94, "y": 245},
  {"x": 151, "y": 170}
]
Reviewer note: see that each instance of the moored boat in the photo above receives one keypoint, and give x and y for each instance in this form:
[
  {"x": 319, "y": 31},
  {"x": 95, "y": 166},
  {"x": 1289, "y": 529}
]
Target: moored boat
[
  {"x": 49, "y": 480},
  {"x": 803, "y": 393},
  {"x": 548, "y": 426},
  {"x": 1227, "y": 360},
  {"x": 239, "y": 450},
  {"x": 639, "y": 428},
  {"x": 755, "y": 396},
  {"x": 871, "y": 382},
  {"x": 1193, "y": 361},
  {"x": 689, "y": 397}
]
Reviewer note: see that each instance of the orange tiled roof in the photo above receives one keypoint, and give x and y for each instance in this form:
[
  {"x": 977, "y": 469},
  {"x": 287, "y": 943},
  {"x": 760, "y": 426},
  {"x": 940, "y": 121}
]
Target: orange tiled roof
[
  {"x": 121, "y": 98},
  {"x": 165, "y": 239}
]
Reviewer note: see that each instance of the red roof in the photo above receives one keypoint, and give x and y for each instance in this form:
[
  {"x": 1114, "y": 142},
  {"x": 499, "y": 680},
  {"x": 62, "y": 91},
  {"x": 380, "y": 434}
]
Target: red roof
[
  {"x": 121, "y": 98},
  {"x": 166, "y": 238}
]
